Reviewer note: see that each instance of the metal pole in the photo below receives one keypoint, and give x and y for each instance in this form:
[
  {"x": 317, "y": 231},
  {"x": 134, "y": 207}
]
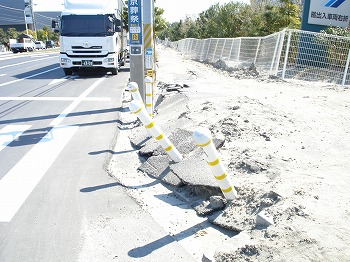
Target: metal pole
[
  {"x": 223, "y": 48},
  {"x": 346, "y": 69},
  {"x": 274, "y": 52},
  {"x": 25, "y": 20},
  {"x": 239, "y": 49},
  {"x": 32, "y": 13},
  {"x": 280, "y": 51},
  {"x": 208, "y": 49},
  {"x": 137, "y": 72},
  {"x": 286, "y": 55},
  {"x": 216, "y": 46},
  {"x": 257, "y": 51}
]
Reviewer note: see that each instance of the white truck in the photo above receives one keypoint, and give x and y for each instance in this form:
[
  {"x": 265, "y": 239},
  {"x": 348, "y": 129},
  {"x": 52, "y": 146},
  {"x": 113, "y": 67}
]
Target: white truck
[
  {"x": 91, "y": 36},
  {"x": 23, "y": 43}
]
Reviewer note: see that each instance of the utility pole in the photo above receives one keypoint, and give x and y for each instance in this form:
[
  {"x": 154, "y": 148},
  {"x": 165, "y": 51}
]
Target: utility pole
[
  {"x": 32, "y": 14},
  {"x": 25, "y": 20},
  {"x": 136, "y": 48}
]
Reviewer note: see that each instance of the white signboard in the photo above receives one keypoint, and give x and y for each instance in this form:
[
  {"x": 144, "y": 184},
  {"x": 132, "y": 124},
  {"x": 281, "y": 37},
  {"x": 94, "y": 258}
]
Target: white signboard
[{"x": 329, "y": 12}]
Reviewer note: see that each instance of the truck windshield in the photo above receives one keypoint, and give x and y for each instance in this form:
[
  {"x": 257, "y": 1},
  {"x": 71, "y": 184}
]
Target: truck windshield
[{"x": 86, "y": 25}]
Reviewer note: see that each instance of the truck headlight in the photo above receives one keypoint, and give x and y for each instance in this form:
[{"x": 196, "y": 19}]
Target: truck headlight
[{"x": 65, "y": 60}]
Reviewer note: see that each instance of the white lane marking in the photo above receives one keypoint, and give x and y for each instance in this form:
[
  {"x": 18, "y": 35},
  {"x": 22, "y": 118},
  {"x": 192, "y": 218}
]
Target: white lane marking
[
  {"x": 71, "y": 107},
  {"x": 10, "y": 133},
  {"x": 17, "y": 184},
  {"x": 27, "y": 77},
  {"x": 20, "y": 181},
  {"x": 68, "y": 98},
  {"x": 2, "y": 74},
  {"x": 30, "y": 61},
  {"x": 40, "y": 55},
  {"x": 56, "y": 81}
]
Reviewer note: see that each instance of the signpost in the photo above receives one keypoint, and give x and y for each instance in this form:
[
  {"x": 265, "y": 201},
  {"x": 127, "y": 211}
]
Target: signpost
[{"x": 135, "y": 40}]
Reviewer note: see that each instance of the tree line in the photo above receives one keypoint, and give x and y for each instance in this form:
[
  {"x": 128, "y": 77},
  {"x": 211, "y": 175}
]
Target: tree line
[{"x": 236, "y": 19}]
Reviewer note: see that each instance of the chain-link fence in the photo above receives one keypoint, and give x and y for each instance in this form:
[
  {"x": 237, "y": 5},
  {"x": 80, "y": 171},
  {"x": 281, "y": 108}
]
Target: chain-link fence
[{"x": 289, "y": 54}]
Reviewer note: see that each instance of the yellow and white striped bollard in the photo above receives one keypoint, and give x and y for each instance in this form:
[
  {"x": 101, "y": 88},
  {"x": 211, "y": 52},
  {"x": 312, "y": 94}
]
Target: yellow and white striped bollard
[
  {"x": 203, "y": 138},
  {"x": 138, "y": 108},
  {"x": 133, "y": 88},
  {"x": 149, "y": 95}
]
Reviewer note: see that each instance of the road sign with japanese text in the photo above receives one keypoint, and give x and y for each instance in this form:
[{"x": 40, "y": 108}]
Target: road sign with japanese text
[
  {"x": 329, "y": 12},
  {"x": 135, "y": 22}
]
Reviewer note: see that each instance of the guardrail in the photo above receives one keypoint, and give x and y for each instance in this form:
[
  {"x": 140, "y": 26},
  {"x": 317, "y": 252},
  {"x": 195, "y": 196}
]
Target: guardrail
[{"x": 290, "y": 53}]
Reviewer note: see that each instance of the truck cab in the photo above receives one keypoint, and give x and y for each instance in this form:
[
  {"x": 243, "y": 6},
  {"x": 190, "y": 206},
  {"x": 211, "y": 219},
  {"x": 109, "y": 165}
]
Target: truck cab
[{"x": 91, "y": 36}]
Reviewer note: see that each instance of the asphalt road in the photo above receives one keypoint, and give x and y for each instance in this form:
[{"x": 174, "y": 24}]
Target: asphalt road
[{"x": 57, "y": 202}]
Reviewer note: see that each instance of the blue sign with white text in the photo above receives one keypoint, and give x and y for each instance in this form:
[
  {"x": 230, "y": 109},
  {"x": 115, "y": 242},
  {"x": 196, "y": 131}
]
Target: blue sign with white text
[{"x": 135, "y": 22}]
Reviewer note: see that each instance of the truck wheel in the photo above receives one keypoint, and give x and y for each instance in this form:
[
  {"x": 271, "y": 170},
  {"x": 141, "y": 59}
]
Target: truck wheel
[
  {"x": 68, "y": 72},
  {"x": 114, "y": 71}
]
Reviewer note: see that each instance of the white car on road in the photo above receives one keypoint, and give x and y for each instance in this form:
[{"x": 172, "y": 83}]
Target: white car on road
[{"x": 40, "y": 45}]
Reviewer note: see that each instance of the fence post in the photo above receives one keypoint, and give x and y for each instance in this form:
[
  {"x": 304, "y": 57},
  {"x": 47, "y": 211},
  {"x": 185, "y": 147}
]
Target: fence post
[
  {"x": 216, "y": 46},
  {"x": 190, "y": 46},
  {"x": 275, "y": 53},
  {"x": 280, "y": 50},
  {"x": 257, "y": 51},
  {"x": 287, "y": 53},
  {"x": 208, "y": 49},
  {"x": 239, "y": 49},
  {"x": 203, "y": 138},
  {"x": 223, "y": 48},
  {"x": 203, "y": 44},
  {"x": 195, "y": 53},
  {"x": 346, "y": 69},
  {"x": 229, "y": 57}
]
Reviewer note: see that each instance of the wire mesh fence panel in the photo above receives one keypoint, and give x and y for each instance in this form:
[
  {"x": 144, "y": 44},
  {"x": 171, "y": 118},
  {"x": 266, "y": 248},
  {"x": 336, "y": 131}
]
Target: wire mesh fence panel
[
  {"x": 197, "y": 49},
  {"x": 316, "y": 57},
  {"x": 192, "y": 48},
  {"x": 218, "y": 49},
  {"x": 267, "y": 53},
  {"x": 225, "y": 54},
  {"x": 248, "y": 48},
  {"x": 290, "y": 53},
  {"x": 211, "y": 49},
  {"x": 235, "y": 49}
]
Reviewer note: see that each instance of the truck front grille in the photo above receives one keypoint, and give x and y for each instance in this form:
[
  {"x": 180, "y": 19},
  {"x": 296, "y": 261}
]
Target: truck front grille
[
  {"x": 87, "y": 56},
  {"x": 91, "y": 47},
  {"x": 87, "y": 52}
]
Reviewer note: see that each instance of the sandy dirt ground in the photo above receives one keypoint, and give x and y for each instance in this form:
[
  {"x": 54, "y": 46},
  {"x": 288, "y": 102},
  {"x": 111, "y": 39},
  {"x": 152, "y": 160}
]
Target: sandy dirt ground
[{"x": 287, "y": 151}]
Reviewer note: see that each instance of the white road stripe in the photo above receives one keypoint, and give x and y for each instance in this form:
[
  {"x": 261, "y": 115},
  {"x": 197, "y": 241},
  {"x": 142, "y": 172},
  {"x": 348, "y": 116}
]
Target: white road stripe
[
  {"x": 30, "y": 61},
  {"x": 68, "y": 98},
  {"x": 10, "y": 133},
  {"x": 17, "y": 185},
  {"x": 56, "y": 81},
  {"x": 2, "y": 74},
  {"x": 71, "y": 107},
  {"x": 21, "y": 79}
]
